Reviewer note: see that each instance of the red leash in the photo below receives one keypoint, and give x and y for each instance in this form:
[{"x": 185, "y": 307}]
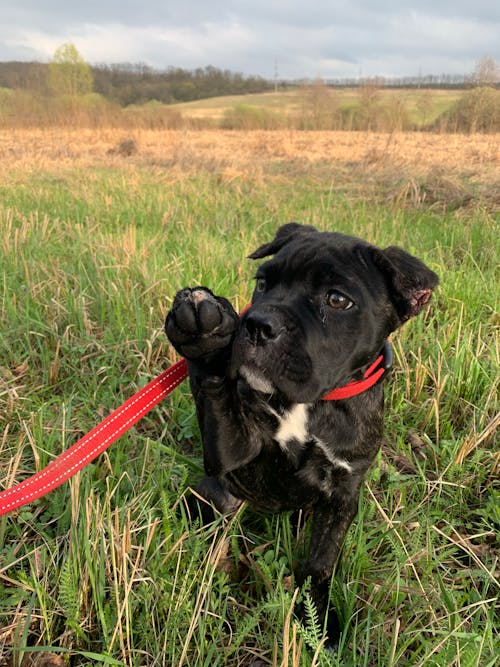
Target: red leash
[
  {"x": 95, "y": 442},
  {"x": 120, "y": 420}
]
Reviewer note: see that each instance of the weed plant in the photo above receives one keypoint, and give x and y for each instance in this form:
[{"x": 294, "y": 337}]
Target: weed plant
[{"x": 108, "y": 568}]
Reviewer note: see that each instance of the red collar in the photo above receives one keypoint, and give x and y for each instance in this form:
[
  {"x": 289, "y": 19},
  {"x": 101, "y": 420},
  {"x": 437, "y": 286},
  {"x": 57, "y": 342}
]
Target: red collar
[{"x": 372, "y": 375}]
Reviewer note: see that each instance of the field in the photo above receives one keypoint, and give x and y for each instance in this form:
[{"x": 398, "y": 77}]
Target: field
[
  {"x": 98, "y": 229},
  {"x": 262, "y": 157},
  {"x": 294, "y": 102},
  {"x": 313, "y": 107}
]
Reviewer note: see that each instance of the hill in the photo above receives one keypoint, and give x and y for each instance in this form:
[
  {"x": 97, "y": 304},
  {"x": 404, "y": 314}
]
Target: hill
[{"x": 317, "y": 106}]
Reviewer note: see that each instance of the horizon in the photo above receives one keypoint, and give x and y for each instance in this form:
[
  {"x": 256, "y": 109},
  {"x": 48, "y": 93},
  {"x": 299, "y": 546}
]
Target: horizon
[{"x": 381, "y": 79}]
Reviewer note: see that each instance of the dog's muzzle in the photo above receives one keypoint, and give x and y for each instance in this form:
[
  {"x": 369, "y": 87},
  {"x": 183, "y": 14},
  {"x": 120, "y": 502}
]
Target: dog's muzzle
[
  {"x": 269, "y": 351},
  {"x": 260, "y": 333}
]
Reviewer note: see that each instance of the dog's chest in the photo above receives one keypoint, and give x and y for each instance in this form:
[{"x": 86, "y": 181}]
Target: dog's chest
[
  {"x": 295, "y": 439},
  {"x": 292, "y": 425},
  {"x": 295, "y": 466}
]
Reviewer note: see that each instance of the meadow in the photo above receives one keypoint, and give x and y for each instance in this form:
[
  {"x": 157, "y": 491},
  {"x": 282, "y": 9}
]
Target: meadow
[
  {"x": 422, "y": 106},
  {"x": 310, "y": 106},
  {"x": 98, "y": 229}
]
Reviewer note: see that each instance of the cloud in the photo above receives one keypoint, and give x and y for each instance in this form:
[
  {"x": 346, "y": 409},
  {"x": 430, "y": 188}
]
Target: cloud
[
  {"x": 330, "y": 39},
  {"x": 186, "y": 44}
]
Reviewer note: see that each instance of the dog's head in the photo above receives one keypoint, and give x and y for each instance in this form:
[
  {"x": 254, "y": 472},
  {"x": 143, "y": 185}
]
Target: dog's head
[{"x": 322, "y": 309}]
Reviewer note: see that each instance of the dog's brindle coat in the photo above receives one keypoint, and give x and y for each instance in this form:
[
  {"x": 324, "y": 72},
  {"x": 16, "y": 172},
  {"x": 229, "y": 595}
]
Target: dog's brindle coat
[{"x": 320, "y": 314}]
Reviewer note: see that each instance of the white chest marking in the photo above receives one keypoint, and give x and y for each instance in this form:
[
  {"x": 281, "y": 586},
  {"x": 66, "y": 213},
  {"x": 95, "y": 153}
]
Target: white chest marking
[{"x": 292, "y": 425}]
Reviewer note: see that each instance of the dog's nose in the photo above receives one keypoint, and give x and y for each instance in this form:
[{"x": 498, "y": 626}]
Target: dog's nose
[{"x": 263, "y": 327}]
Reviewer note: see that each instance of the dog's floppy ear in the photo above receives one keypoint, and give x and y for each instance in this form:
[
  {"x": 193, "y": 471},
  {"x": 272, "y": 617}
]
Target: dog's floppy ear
[
  {"x": 284, "y": 235},
  {"x": 409, "y": 280}
]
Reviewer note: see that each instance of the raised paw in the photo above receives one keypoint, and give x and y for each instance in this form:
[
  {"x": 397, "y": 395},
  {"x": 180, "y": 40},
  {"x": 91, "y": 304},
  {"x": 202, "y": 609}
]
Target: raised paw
[{"x": 200, "y": 323}]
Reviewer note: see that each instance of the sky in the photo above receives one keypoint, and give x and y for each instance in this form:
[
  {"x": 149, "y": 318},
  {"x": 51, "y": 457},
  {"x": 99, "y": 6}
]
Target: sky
[{"x": 284, "y": 38}]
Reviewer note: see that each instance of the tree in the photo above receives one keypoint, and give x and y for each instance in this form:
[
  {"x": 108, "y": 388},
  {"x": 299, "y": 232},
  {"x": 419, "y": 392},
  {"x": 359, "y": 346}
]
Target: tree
[
  {"x": 369, "y": 97},
  {"x": 486, "y": 72},
  {"x": 69, "y": 74},
  {"x": 320, "y": 106}
]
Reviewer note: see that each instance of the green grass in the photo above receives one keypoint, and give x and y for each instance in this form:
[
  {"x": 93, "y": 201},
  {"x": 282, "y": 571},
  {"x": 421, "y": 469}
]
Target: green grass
[
  {"x": 107, "y": 569},
  {"x": 422, "y": 107},
  {"x": 214, "y": 107}
]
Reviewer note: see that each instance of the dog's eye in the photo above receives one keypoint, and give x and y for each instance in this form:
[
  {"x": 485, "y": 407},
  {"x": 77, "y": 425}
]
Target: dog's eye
[
  {"x": 339, "y": 301},
  {"x": 261, "y": 285}
]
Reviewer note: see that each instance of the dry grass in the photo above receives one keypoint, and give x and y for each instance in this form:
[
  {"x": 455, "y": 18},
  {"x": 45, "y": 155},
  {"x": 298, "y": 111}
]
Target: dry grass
[{"x": 477, "y": 156}]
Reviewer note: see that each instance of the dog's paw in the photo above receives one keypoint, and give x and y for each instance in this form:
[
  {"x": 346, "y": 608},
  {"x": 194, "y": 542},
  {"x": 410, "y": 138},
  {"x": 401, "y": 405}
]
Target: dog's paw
[
  {"x": 333, "y": 631},
  {"x": 200, "y": 323},
  {"x": 209, "y": 501}
]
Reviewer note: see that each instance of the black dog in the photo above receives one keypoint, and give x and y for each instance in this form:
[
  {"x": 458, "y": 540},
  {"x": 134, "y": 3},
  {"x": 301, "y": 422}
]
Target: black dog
[{"x": 320, "y": 316}]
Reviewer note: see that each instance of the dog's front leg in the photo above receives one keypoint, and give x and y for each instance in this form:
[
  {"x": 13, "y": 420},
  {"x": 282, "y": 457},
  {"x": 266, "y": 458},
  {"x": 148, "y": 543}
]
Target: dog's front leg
[
  {"x": 226, "y": 443},
  {"x": 201, "y": 327},
  {"x": 331, "y": 519}
]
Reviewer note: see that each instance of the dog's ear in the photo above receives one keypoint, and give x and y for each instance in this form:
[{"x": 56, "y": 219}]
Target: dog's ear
[
  {"x": 284, "y": 235},
  {"x": 409, "y": 280}
]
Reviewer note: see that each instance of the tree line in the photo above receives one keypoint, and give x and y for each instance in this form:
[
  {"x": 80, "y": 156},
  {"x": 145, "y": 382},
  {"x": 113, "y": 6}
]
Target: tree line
[
  {"x": 131, "y": 84},
  {"x": 128, "y": 83}
]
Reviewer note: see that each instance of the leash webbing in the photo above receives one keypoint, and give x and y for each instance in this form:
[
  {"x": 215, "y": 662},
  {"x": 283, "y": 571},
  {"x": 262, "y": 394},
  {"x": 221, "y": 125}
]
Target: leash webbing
[{"x": 94, "y": 442}]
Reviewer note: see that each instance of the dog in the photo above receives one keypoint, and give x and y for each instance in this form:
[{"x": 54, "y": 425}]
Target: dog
[{"x": 289, "y": 396}]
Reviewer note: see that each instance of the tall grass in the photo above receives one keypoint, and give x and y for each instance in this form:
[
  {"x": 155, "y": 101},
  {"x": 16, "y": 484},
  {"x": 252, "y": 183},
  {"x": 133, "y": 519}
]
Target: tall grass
[{"x": 108, "y": 569}]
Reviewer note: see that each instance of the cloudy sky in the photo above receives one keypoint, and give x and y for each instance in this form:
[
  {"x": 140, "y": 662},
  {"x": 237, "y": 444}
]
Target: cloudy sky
[{"x": 327, "y": 38}]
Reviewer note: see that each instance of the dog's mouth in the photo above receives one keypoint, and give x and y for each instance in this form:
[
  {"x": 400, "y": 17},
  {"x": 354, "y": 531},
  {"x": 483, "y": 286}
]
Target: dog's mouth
[
  {"x": 256, "y": 379},
  {"x": 274, "y": 370},
  {"x": 254, "y": 365}
]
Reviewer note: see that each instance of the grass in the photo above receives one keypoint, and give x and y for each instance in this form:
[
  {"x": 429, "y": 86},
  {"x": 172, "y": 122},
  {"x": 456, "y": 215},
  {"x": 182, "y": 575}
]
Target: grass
[
  {"x": 423, "y": 106},
  {"x": 107, "y": 569},
  {"x": 364, "y": 161},
  {"x": 314, "y": 107}
]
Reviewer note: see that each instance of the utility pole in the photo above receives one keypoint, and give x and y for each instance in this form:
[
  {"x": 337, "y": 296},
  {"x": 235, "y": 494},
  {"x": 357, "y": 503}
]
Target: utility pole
[{"x": 276, "y": 75}]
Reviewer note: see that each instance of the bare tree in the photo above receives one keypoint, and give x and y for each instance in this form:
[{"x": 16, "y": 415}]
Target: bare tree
[
  {"x": 486, "y": 72},
  {"x": 369, "y": 96},
  {"x": 320, "y": 106}
]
